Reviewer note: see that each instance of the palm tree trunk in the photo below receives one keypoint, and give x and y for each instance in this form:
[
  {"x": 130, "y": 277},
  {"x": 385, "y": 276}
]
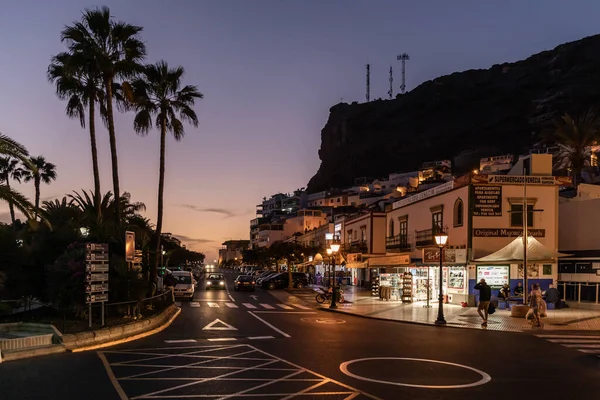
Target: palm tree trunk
[
  {"x": 37, "y": 183},
  {"x": 113, "y": 148},
  {"x": 11, "y": 206},
  {"x": 161, "y": 187},
  {"x": 94, "y": 153}
]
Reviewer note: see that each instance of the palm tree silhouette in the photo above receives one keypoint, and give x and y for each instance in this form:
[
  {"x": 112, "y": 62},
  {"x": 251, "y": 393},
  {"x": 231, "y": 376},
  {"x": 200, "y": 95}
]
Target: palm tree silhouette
[{"x": 43, "y": 172}]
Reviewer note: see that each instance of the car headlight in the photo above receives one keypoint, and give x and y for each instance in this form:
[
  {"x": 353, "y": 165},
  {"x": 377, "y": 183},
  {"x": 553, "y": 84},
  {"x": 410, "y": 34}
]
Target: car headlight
[{"x": 221, "y": 283}]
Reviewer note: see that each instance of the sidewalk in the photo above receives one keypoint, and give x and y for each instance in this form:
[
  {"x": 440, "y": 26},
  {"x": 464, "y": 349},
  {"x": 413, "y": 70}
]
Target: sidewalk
[{"x": 361, "y": 303}]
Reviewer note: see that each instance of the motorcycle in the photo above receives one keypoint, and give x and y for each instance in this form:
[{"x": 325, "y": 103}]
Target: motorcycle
[{"x": 326, "y": 296}]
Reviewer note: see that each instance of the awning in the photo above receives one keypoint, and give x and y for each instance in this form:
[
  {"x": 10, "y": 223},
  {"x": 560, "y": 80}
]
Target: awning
[
  {"x": 392, "y": 260},
  {"x": 514, "y": 252}
]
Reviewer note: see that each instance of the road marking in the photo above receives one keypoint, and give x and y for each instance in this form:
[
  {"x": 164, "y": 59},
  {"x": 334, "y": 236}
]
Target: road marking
[
  {"x": 178, "y": 304},
  {"x": 326, "y": 321},
  {"x": 285, "y": 312},
  {"x": 248, "y": 305},
  {"x": 485, "y": 378},
  {"x": 230, "y": 296},
  {"x": 267, "y": 306},
  {"x": 225, "y": 339},
  {"x": 568, "y": 336},
  {"x": 231, "y": 305},
  {"x": 225, "y": 327},
  {"x": 301, "y": 306},
  {"x": 285, "y": 307},
  {"x": 194, "y": 304},
  {"x": 112, "y": 377},
  {"x": 269, "y": 325},
  {"x": 260, "y": 337},
  {"x": 254, "y": 297},
  {"x": 181, "y": 341},
  {"x": 210, "y": 304},
  {"x": 582, "y": 341}
]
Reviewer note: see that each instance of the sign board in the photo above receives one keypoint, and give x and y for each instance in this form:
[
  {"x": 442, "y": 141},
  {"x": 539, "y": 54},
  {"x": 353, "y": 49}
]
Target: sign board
[
  {"x": 96, "y": 277},
  {"x": 450, "y": 256},
  {"x": 399, "y": 259},
  {"x": 520, "y": 180},
  {"x": 487, "y": 201},
  {"x": 97, "y": 247},
  {"x": 96, "y": 256},
  {"x": 505, "y": 232},
  {"x": 495, "y": 276},
  {"x": 97, "y": 298},
  {"x": 96, "y": 287},
  {"x": 96, "y": 268},
  {"x": 424, "y": 194},
  {"x": 129, "y": 246}
]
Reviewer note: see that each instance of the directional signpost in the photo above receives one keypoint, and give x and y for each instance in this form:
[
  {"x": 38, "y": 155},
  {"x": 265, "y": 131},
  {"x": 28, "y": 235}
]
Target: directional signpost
[{"x": 96, "y": 276}]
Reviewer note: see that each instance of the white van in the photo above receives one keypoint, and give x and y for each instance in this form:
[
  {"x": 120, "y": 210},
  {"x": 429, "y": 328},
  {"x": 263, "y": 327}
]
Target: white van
[{"x": 185, "y": 284}]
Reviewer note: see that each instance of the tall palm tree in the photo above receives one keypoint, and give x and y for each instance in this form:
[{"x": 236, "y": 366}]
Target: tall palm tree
[
  {"x": 77, "y": 81},
  {"x": 43, "y": 172},
  {"x": 115, "y": 51},
  {"x": 10, "y": 170},
  {"x": 575, "y": 138},
  {"x": 11, "y": 148},
  {"x": 158, "y": 96}
]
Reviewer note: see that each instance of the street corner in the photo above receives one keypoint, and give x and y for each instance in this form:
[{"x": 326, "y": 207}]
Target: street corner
[{"x": 219, "y": 370}]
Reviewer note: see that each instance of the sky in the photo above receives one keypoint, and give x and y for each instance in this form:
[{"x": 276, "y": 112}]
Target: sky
[{"x": 269, "y": 71}]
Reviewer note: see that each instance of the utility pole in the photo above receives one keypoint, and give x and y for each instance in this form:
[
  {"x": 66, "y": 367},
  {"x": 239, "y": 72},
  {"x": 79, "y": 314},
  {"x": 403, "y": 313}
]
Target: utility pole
[
  {"x": 368, "y": 82},
  {"x": 391, "y": 91},
  {"x": 403, "y": 57}
]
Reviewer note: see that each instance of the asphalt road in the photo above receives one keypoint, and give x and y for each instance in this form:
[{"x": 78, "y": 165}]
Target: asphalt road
[{"x": 264, "y": 349}]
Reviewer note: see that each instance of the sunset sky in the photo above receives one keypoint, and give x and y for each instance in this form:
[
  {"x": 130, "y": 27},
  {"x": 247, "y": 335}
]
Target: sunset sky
[{"x": 269, "y": 70}]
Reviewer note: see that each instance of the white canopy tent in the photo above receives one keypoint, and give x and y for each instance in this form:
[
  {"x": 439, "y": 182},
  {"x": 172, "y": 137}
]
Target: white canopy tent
[{"x": 514, "y": 252}]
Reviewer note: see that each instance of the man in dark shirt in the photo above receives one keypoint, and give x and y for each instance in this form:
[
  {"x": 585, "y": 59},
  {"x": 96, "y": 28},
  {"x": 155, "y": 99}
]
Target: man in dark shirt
[
  {"x": 552, "y": 295},
  {"x": 485, "y": 295},
  {"x": 519, "y": 289}
]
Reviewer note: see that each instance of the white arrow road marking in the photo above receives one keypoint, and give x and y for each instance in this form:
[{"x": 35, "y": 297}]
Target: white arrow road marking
[
  {"x": 231, "y": 305},
  {"x": 255, "y": 297},
  {"x": 248, "y": 305},
  {"x": 285, "y": 307},
  {"x": 210, "y": 304},
  {"x": 225, "y": 327}
]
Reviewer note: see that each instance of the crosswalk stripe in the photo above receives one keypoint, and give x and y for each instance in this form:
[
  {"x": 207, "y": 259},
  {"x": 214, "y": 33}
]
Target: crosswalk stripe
[
  {"x": 587, "y": 344},
  {"x": 231, "y": 305},
  {"x": 285, "y": 307},
  {"x": 210, "y": 304},
  {"x": 300, "y": 306},
  {"x": 194, "y": 304},
  {"x": 267, "y": 306},
  {"x": 248, "y": 305}
]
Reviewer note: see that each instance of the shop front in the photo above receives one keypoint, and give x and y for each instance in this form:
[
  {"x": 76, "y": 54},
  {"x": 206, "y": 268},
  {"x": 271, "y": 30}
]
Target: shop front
[
  {"x": 388, "y": 272},
  {"x": 454, "y": 279}
]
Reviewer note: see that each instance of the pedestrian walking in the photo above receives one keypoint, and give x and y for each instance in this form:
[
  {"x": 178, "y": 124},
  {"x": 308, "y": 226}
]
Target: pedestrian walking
[
  {"x": 485, "y": 295},
  {"x": 535, "y": 301}
]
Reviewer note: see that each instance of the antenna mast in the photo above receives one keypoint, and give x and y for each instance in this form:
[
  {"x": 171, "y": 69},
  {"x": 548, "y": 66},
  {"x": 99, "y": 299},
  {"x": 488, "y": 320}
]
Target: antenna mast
[
  {"x": 368, "y": 82},
  {"x": 403, "y": 57},
  {"x": 391, "y": 91}
]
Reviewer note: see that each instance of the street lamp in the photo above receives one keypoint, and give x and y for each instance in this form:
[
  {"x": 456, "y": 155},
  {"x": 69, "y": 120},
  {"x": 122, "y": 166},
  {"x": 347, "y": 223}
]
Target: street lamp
[
  {"x": 441, "y": 238},
  {"x": 334, "y": 247}
]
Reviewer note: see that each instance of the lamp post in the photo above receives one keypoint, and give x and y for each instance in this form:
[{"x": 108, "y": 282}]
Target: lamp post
[
  {"x": 334, "y": 246},
  {"x": 441, "y": 238}
]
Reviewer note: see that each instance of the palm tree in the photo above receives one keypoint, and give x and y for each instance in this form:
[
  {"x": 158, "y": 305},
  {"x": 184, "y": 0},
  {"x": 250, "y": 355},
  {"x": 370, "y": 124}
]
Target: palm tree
[
  {"x": 12, "y": 148},
  {"x": 78, "y": 82},
  {"x": 158, "y": 96},
  {"x": 43, "y": 172},
  {"x": 114, "y": 51},
  {"x": 10, "y": 169},
  {"x": 575, "y": 138}
]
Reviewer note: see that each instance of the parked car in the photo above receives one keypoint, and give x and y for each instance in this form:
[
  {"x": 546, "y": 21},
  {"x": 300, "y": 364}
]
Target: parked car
[
  {"x": 264, "y": 276},
  {"x": 185, "y": 284},
  {"x": 215, "y": 281},
  {"x": 244, "y": 282},
  {"x": 280, "y": 281}
]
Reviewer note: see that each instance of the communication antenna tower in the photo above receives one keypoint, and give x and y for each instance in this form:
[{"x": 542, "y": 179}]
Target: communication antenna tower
[
  {"x": 368, "y": 82},
  {"x": 403, "y": 57},
  {"x": 391, "y": 91}
]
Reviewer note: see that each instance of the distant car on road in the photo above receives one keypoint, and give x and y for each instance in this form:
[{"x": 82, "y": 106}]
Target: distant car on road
[
  {"x": 215, "y": 281},
  {"x": 244, "y": 282}
]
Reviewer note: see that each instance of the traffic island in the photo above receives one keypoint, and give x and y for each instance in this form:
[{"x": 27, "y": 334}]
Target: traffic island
[{"x": 88, "y": 340}]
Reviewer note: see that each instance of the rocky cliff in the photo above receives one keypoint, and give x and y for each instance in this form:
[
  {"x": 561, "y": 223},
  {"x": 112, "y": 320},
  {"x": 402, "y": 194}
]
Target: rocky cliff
[{"x": 499, "y": 110}]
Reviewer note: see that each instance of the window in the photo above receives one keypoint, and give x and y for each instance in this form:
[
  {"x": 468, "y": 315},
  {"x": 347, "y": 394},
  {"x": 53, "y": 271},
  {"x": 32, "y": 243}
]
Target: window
[
  {"x": 391, "y": 228},
  {"x": 403, "y": 232},
  {"x": 363, "y": 234},
  {"x": 437, "y": 218},
  {"x": 516, "y": 215},
  {"x": 458, "y": 213},
  {"x": 349, "y": 236}
]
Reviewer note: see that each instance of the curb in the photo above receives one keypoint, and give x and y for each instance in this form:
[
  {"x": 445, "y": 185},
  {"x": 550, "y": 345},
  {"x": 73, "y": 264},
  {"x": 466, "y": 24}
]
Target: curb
[{"x": 105, "y": 337}]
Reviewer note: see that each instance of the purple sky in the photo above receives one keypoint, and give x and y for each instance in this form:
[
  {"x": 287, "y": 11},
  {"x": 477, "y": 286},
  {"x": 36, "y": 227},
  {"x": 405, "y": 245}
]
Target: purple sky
[{"x": 270, "y": 71}]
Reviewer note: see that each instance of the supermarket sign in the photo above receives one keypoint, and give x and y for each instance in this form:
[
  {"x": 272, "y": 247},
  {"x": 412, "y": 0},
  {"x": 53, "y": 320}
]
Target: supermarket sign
[{"x": 521, "y": 180}]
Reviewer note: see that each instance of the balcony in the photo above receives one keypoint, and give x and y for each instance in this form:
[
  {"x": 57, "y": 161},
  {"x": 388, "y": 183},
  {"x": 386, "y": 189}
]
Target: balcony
[
  {"x": 356, "y": 246},
  {"x": 424, "y": 238},
  {"x": 401, "y": 243}
]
